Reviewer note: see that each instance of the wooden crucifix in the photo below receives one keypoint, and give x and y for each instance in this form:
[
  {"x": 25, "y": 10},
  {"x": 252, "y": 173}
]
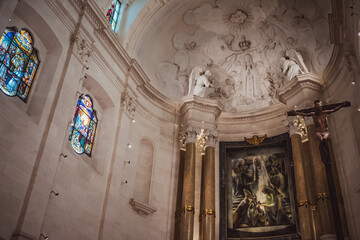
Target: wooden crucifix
[{"x": 319, "y": 114}]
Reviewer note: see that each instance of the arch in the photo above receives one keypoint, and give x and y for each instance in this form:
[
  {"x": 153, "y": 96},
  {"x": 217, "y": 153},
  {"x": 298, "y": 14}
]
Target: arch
[
  {"x": 144, "y": 171},
  {"x": 98, "y": 92}
]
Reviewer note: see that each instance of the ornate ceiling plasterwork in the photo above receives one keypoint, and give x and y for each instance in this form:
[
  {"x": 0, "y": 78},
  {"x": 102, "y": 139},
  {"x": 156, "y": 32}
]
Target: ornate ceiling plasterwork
[{"x": 247, "y": 49}]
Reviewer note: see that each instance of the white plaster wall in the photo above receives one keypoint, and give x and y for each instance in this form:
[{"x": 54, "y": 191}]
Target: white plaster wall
[
  {"x": 345, "y": 131},
  {"x": 122, "y": 221}
]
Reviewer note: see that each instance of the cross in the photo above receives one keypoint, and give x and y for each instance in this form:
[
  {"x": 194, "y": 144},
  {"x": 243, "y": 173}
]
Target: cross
[{"x": 319, "y": 114}]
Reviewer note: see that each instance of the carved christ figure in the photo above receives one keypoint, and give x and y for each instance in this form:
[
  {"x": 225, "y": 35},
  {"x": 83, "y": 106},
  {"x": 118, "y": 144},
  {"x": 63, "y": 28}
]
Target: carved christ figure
[{"x": 319, "y": 116}]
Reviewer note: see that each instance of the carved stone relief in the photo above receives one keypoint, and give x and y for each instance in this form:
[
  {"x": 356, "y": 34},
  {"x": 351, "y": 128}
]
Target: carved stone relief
[{"x": 250, "y": 47}]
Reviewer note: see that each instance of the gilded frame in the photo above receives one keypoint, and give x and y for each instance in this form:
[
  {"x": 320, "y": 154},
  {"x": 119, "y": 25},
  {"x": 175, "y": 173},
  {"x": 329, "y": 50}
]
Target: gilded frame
[{"x": 264, "y": 156}]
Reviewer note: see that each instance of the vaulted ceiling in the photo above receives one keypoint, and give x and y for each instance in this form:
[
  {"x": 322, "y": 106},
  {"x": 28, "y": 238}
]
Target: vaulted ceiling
[{"x": 243, "y": 43}]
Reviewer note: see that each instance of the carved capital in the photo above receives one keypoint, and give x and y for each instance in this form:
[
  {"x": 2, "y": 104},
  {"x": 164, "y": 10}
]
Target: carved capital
[
  {"x": 211, "y": 137},
  {"x": 297, "y": 125},
  {"x": 83, "y": 48},
  {"x": 129, "y": 103},
  {"x": 189, "y": 133}
]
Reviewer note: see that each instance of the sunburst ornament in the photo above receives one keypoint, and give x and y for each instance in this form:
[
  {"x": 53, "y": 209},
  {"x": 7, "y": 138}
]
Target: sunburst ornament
[{"x": 238, "y": 16}]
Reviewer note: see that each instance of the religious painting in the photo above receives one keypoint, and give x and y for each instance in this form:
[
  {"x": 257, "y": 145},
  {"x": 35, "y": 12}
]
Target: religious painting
[
  {"x": 257, "y": 190},
  {"x": 18, "y": 63}
]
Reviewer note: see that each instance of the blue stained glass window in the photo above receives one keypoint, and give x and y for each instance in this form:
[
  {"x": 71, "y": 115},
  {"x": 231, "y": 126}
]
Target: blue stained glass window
[
  {"x": 113, "y": 13},
  {"x": 18, "y": 63},
  {"x": 83, "y": 129}
]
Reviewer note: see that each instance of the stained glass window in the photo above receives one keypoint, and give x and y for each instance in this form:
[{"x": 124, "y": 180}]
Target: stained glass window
[
  {"x": 83, "y": 129},
  {"x": 113, "y": 13},
  {"x": 18, "y": 63}
]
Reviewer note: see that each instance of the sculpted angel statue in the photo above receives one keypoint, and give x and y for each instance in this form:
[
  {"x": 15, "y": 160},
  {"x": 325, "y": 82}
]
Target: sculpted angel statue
[
  {"x": 292, "y": 64},
  {"x": 199, "y": 82}
]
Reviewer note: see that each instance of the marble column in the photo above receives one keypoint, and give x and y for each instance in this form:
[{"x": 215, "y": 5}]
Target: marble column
[
  {"x": 188, "y": 197},
  {"x": 304, "y": 203},
  {"x": 208, "y": 214},
  {"x": 179, "y": 207},
  {"x": 325, "y": 222}
]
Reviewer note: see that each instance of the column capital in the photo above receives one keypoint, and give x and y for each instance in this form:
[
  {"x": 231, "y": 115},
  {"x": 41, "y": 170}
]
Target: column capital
[
  {"x": 189, "y": 133},
  {"x": 211, "y": 137},
  {"x": 297, "y": 125}
]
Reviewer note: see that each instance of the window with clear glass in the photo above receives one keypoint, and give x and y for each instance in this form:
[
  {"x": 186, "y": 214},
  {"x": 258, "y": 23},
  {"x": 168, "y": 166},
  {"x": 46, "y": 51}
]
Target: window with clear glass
[
  {"x": 84, "y": 125},
  {"x": 18, "y": 63},
  {"x": 113, "y": 13}
]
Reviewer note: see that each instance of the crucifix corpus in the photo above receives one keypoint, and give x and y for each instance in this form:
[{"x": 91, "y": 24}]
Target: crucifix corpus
[{"x": 319, "y": 114}]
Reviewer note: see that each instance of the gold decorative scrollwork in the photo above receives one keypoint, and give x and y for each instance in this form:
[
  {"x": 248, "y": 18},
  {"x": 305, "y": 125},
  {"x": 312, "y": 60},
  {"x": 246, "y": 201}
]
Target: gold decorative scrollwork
[
  {"x": 206, "y": 212},
  {"x": 188, "y": 208},
  {"x": 322, "y": 196},
  {"x": 304, "y": 203},
  {"x": 255, "y": 140}
]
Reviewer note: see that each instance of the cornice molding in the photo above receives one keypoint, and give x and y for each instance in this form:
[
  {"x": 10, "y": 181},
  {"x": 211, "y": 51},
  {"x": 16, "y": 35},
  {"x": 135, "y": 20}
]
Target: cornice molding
[
  {"x": 274, "y": 111},
  {"x": 205, "y": 104},
  {"x": 299, "y": 83},
  {"x": 141, "y": 22}
]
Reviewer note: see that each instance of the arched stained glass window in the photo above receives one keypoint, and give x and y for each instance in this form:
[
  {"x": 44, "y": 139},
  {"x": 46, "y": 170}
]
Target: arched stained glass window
[
  {"x": 18, "y": 62},
  {"x": 83, "y": 130},
  {"x": 113, "y": 13}
]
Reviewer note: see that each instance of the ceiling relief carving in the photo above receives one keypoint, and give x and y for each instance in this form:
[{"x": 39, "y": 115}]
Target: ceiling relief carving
[{"x": 243, "y": 51}]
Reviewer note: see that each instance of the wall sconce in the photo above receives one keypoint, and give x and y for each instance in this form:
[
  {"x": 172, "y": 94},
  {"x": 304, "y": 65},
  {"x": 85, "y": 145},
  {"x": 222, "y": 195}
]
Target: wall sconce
[
  {"x": 123, "y": 181},
  {"x": 133, "y": 120},
  {"x": 44, "y": 236},
  {"x": 128, "y": 145},
  {"x": 358, "y": 109},
  {"x": 353, "y": 82},
  {"x": 126, "y": 162}
]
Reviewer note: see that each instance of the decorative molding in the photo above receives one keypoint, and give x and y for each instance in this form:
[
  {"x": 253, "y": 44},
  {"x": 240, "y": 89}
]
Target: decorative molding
[
  {"x": 129, "y": 103},
  {"x": 297, "y": 84},
  {"x": 141, "y": 208},
  {"x": 203, "y": 104},
  {"x": 83, "y": 48},
  {"x": 255, "y": 115},
  {"x": 145, "y": 88}
]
